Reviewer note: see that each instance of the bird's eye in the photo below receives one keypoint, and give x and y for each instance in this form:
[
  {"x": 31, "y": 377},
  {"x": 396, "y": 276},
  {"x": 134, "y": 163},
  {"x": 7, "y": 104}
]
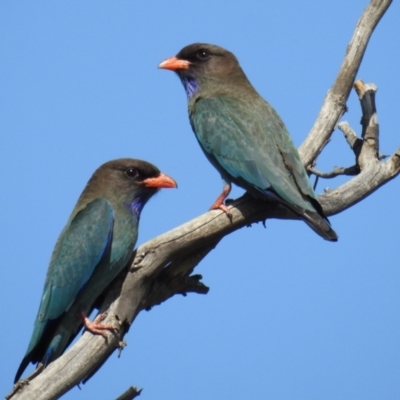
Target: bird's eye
[
  {"x": 131, "y": 172},
  {"x": 203, "y": 54}
]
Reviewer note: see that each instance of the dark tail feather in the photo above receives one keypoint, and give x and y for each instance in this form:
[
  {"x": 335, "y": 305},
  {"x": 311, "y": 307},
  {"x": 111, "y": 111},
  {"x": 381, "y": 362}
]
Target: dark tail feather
[
  {"x": 316, "y": 220},
  {"x": 42, "y": 335},
  {"x": 35, "y": 356},
  {"x": 320, "y": 225},
  {"x": 22, "y": 367}
]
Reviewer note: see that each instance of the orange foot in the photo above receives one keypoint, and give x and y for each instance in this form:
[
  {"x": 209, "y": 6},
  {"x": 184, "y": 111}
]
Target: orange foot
[
  {"x": 219, "y": 203},
  {"x": 95, "y": 326}
]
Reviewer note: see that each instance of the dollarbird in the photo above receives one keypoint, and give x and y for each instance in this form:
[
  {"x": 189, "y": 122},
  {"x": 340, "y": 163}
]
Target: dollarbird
[
  {"x": 93, "y": 248},
  {"x": 242, "y": 136}
]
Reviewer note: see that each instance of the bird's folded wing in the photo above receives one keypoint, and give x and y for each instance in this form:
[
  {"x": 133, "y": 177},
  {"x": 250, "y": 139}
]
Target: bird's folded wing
[
  {"x": 259, "y": 152},
  {"x": 82, "y": 244}
]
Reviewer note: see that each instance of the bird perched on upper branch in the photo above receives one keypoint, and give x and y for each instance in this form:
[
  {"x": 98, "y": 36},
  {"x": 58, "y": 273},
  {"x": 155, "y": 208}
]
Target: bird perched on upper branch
[
  {"x": 242, "y": 135},
  {"x": 93, "y": 248}
]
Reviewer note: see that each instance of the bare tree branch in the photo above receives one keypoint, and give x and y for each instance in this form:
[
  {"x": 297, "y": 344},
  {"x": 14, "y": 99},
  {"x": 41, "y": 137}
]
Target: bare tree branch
[
  {"x": 162, "y": 267},
  {"x": 366, "y": 148},
  {"x": 130, "y": 394},
  {"x": 335, "y": 100},
  {"x": 369, "y": 122},
  {"x": 374, "y": 173}
]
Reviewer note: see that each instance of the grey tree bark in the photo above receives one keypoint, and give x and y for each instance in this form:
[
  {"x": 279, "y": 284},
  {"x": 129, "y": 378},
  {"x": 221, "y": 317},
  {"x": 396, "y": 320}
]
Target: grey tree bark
[{"x": 163, "y": 266}]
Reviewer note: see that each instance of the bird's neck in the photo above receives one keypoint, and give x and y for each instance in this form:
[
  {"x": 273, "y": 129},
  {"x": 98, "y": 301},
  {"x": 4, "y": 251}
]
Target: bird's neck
[
  {"x": 136, "y": 204},
  {"x": 191, "y": 86},
  {"x": 234, "y": 85},
  {"x": 135, "y": 207}
]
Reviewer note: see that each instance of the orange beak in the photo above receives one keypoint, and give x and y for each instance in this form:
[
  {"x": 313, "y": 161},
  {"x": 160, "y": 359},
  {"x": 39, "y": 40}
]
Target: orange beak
[
  {"x": 174, "y": 64},
  {"x": 160, "y": 181}
]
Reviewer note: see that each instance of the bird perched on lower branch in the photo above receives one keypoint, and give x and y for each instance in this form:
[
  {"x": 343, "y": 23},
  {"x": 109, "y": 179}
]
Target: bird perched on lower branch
[{"x": 93, "y": 248}]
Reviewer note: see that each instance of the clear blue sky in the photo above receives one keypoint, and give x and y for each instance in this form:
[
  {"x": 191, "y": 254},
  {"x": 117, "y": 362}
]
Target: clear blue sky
[{"x": 288, "y": 316}]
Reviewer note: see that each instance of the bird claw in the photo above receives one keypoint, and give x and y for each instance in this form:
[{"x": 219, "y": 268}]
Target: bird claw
[
  {"x": 223, "y": 208},
  {"x": 95, "y": 326},
  {"x": 219, "y": 204}
]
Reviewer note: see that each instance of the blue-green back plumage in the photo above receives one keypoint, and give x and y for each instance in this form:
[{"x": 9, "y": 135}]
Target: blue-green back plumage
[
  {"x": 219, "y": 124},
  {"x": 82, "y": 244}
]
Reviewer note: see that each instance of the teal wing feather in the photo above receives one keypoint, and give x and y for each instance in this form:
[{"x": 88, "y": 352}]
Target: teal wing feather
[
  {"x": 83, "y": 243},
  {"x": 81, "y": 246},
  {"x": 251, "y": 146}
]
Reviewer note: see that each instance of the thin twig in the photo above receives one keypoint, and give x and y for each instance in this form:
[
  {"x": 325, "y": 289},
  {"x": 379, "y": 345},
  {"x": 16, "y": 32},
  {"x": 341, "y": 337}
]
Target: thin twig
[
  {"x": 349, "y": 171},
  {"x": 353, "y": 140}
]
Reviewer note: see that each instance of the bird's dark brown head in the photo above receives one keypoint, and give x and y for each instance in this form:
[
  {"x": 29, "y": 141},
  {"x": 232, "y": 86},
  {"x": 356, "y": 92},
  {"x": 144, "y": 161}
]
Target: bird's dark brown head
[
  {"x": 204, "y": 66},
  {"x": 125, "y": 181},
  {"x": 127, "y": 172}
]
